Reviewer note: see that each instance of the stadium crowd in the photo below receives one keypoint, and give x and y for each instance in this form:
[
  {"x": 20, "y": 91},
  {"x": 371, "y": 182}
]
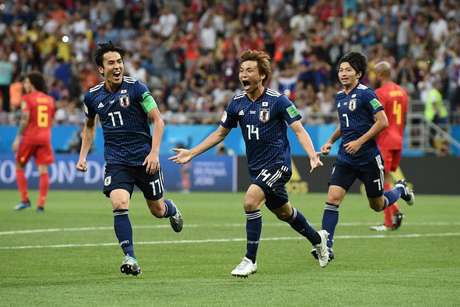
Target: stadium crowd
[{"x": 187, "y": 51}]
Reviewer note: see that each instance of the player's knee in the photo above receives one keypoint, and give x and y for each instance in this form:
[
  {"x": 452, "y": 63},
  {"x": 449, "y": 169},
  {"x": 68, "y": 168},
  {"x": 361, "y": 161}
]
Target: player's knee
[
  {"x": 250, "y": 204},
  {"x": 376, "y": 206},
  {"x": 120, "y": 204},
  {"x": 283, "y": 215},
  {"x": 334, "y": 199}
]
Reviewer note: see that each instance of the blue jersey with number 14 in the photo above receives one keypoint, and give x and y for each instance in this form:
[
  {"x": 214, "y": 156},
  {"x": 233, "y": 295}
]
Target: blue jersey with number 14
[
  {"x": 264, "y": 127},
  {"x": 127, "y": 138}
]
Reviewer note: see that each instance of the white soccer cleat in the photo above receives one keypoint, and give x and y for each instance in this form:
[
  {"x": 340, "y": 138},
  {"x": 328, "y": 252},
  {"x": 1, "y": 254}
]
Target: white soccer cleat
[
  {"x": 321, "y": 249},
  {"x": 408, "y": 196},
  {"x": 245, "y": 268},
  {"x": 130, "y": 266},
  {"x": 379, "y": 228}
]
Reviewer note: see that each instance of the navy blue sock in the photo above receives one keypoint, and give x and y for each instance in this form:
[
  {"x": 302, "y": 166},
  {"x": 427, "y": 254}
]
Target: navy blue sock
[
  {"x": 330, "y": 220},
  {"x": 390, "y": 197},
  {"x": 253, "y": 230},
  {"x": 124, "y": 231},
  {"x": 170, "y": 208},
  {"x": 301, "y": 225}
]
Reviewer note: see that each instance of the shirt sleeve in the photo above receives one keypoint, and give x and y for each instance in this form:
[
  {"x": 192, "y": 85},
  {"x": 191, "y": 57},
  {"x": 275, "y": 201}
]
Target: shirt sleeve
[
  {"x": 371, "y": 102},
  {"x": 146, "y": 99},
  {"x": 288, "y": 110},
  {"x": 229, "y": 118},
  {"x": 89, "y": 111}
]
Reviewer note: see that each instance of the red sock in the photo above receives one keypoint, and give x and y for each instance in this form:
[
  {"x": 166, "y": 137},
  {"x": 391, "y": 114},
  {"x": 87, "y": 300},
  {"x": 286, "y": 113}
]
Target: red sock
[
  {"x": 388, "y": 217},
  {"x": 43, "y": 186},
  {"x": 390, "y": 211},
  {"x": 22, "y": 184},
  {"x": 387, "y": 213}
]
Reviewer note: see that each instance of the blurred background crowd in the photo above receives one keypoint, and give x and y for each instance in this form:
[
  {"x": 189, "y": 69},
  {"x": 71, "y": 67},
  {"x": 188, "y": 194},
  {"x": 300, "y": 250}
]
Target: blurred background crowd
[{"x": 187, "y": 51}]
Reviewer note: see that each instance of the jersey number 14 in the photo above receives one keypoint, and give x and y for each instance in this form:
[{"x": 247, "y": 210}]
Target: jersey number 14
[{"x": 253, "y": 132}]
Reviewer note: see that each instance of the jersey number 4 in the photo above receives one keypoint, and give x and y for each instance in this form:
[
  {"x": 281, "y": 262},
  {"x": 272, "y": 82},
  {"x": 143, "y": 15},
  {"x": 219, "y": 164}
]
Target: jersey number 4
[
  {"x": 112, "y": 117},
  {"x": 253, "y": 132}
]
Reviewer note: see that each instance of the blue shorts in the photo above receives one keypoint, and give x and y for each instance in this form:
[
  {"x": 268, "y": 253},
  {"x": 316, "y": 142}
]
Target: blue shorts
[
  {"x": 272, "y": 181},
  {"x": 371, "y": 175},
  {"x": 124, "y": 177}
]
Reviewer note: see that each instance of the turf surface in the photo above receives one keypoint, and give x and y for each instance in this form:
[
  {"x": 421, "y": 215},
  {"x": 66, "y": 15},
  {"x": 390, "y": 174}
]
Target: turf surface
[{"x": 68, "y": 256}]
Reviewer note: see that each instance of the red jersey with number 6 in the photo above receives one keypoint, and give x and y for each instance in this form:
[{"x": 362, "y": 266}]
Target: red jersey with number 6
[
  {"x": 395, "y": 101},
  {"x": 41, "y": 113}
]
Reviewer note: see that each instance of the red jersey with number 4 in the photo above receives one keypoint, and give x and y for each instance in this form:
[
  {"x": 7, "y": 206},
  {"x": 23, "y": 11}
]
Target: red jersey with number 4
[
  {"x": 394, "y": 100},
  {"x": 41, "y": 113}
]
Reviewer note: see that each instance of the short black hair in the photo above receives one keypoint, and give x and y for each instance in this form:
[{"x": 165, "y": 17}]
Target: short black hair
[
  {"x": 357, "y": 60},
  {"x": 38, "y": 81},
  {"x": 103, "y": 48}
]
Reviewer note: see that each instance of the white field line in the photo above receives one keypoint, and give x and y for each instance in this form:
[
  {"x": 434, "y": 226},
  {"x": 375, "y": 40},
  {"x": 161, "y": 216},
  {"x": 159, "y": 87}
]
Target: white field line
[
  {"x": 95, "y": 228},
  {"x": 229, "y": 240}
]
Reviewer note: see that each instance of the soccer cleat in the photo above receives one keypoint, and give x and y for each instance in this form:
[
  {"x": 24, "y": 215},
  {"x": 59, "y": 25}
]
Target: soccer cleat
[
  {"x": 22, "y": 205},
  {"x": 314, "y": 253},
  {"x": 408, "y": 195},
  {"x": 397, "y": 220},
  {"x": 379, "y": 228},
  {"x": 129, "y": 266},
  {"x": 40, "y": 210},
  {"x": 176, "y": 221},
  {"x": 245, "y": 268},
  {"x": 322, "y": 251}
]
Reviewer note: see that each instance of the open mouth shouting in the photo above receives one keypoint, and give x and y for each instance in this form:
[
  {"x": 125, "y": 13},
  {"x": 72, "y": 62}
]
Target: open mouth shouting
[
  {"x": 117, "y": 76},
  {"x": 246, "y": 84}
]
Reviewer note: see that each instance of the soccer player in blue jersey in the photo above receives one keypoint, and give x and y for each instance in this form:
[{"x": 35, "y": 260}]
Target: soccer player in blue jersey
[
  {"x": 362, "y": 118},
  {"x": 125, "y": 107},
  {"x": 264, "y": 115}
]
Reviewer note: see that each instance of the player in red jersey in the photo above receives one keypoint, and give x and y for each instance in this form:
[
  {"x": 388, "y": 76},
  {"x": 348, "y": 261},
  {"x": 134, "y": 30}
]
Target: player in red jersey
[
  {"x": 34, "y": 137},
  {"x": 390, "y": 141}
]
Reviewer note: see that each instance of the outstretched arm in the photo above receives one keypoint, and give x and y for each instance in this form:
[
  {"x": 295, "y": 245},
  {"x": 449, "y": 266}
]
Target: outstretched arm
[
  {"x": 307, "y": 144},
  {"x": 86, "y": 141},
  {"x": 185, "y": 155}
]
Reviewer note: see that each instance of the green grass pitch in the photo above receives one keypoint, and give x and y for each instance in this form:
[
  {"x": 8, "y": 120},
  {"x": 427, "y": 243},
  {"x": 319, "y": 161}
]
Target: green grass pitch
[{"x": 68, "y": 256}]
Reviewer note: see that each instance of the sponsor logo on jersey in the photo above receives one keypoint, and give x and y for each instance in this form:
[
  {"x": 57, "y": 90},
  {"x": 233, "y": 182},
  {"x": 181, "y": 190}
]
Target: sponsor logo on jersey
[
  {"x": 264, "y": 103},
  {"x": 241, "y": 113},
  {"x": 100, "y": 105},
  {"x": 123, "y": 91},
  {"x": 124, "y": 101},
  {"x": 252, "y": 112},
  {"x": 264, "y": 115}
]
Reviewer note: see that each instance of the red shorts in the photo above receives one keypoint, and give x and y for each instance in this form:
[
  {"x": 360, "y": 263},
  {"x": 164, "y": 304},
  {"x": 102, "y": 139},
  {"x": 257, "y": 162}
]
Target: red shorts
[
  {"x": 391, "y": 159},
  {"x": 43, "y": 153}
]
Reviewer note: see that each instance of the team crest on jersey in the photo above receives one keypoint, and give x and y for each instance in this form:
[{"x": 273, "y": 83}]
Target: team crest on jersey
[
  {"x": 264, "y": 115},
  {"x": 124, "y": 101},
  {"x": 352, "y": 104}
]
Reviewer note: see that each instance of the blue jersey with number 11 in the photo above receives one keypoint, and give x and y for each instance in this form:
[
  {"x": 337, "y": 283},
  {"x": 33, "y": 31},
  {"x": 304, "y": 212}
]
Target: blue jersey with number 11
[{"x": 263, "y": 124}]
